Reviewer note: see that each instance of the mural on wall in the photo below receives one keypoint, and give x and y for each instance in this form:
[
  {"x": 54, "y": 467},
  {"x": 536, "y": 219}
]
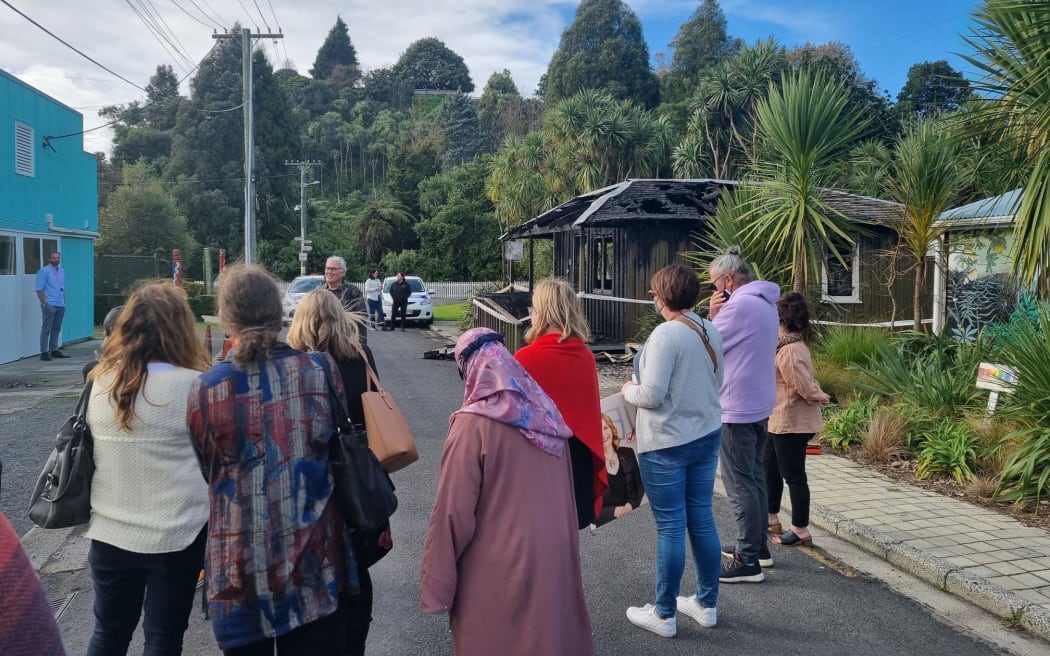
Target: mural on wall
[{"x": 980, "y": 291}]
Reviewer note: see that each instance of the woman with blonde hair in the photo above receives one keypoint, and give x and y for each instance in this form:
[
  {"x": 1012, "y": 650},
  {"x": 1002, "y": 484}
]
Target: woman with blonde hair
[
  {"x": 279, "y": 561},
  {"x": 320, "y": 324},
  {"x": 558, "y": 358},
  {"x": 149, "y": 502}
]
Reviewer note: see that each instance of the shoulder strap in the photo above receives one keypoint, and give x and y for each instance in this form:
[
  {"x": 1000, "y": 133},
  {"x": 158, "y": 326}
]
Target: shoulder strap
[
  {"x": 703, "y": 336},
  {"x": 373, "y": 379}
]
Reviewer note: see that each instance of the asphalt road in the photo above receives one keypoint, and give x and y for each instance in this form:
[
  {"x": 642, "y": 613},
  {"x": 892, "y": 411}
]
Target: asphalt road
[{"x": 810, "y": 604}]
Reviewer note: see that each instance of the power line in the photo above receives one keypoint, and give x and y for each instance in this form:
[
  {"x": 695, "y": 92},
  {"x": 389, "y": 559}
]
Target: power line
[
  {"x": 149, "y": 7},
  {"x": 68, "y": 45},
  {"x": 49, "y": 139},
  {"x": 158, "y": 36},
  {"x": 220, "y": 21},
  {"x": 186, "y": 11},
  {"x": 277, "y": 23}
]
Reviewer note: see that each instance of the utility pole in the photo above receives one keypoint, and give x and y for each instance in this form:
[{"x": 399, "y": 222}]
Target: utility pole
[
  {"x": 304, "y": 243},
  {"x": 249, "y": 137}
]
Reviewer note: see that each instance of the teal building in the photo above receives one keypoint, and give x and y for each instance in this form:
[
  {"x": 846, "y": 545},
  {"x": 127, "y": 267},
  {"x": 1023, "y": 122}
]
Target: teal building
[{"x": 48, "y": 202}]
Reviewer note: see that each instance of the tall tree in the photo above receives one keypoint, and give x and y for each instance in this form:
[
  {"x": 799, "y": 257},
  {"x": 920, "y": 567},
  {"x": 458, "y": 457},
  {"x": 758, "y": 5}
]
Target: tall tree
[
  {"x": 603, "y": 48},
  {"x": 377, "y": 225},
  {"x": 502, "y": 110},
  {"x": 933, "y": 89},
  {"x": 720, "y": 136},
  {"x": 1010, "y": 42},
  {"x": 926, "y": 178},
  {"x": 463, "y": 138},
  {"x": 337, "y": 57},
  {"x": 140, "y": 217},
  {"x": 429, "y": 64},
  {"x": 702, "y": 42},
  {"x": 143, "y": 131},
  {"x": 805, "y": 125}
]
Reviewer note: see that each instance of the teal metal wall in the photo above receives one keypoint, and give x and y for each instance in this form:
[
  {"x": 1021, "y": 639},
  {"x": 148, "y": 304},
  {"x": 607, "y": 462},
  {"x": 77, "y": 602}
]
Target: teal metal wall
[{"x": 63, "y": 187}]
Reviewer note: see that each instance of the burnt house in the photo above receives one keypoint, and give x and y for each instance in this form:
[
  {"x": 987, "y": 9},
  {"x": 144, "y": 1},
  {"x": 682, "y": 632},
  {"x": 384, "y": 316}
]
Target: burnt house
[{"x": 609, "y": 242}]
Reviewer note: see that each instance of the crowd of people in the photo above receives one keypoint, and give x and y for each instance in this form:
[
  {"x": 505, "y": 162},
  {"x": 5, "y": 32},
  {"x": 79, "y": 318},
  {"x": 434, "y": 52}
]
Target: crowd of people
[{"x": 223, "y": 467}]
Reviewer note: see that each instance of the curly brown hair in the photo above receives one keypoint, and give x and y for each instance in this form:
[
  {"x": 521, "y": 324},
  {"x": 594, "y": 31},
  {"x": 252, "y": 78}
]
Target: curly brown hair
[
  {"x": 156, "y": 324},
  {"x": 250, "y": 310},
  {"x": 794, "y": 314}
]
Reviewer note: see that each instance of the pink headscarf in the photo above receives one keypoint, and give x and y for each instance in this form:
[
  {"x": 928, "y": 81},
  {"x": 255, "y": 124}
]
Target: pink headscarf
[{"x": 499, "y": 388}]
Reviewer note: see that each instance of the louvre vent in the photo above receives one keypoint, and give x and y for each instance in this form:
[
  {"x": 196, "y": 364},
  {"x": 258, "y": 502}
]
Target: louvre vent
[{"x": 24, "y": 159}]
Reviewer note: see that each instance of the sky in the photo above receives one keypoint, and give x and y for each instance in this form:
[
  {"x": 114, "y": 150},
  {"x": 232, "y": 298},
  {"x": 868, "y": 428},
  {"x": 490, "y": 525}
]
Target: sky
[{"x": 887, "y": 36}]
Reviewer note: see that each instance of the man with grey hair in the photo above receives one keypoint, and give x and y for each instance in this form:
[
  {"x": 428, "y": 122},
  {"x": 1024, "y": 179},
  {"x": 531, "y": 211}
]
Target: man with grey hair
[
  {"x": 745, "y": 313},
  {"x": 335, "y": 281}
]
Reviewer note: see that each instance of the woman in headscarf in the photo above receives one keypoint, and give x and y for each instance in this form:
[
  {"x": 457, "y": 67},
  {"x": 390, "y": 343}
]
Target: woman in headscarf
[
  {"x": 558, "y": 358},
  {"x": 501, "y": 555}
]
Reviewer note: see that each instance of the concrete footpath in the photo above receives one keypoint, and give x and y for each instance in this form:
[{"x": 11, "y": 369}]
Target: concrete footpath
[{"x": 986, "y": 558}]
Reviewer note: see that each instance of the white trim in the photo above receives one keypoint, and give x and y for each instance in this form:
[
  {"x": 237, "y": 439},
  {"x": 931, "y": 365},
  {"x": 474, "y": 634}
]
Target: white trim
[
  {"x": 854, "y": 282},
  {"x": 900, "y": 323}
]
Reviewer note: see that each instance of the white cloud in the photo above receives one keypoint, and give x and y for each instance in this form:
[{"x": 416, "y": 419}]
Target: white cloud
[{"x": 490, "y": 35}]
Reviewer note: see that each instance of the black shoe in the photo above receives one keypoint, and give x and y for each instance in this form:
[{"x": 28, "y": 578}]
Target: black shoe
[
  {"x": 58, "y": 354},
  {"x": 735, "y": 570},
  {"x": 765, "y": 558},
  {"x": 45, "y": 356}
]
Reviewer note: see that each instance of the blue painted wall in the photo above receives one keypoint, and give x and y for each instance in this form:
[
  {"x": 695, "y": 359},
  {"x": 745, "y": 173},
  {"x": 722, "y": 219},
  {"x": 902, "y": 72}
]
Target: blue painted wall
[{"x": 64, "y": 186}]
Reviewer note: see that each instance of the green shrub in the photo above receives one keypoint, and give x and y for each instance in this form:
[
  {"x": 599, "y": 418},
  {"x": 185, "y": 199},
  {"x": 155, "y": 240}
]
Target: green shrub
[
  {"x": 949, "y": 450},
  {"x": 202, "y": 305},
  {"x": 845, "y": 426},
  {"x": 104, "y": 303},
  {"x": 849, "y": 345},
  {"x": 1027, "y": 471},
  {"x": 936, "y": 373}
]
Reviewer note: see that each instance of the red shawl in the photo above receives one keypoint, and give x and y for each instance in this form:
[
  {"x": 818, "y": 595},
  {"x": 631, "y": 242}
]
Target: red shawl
[{"x": 567, "y": 373}]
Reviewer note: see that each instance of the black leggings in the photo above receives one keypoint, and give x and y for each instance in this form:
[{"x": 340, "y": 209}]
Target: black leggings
[
  {"x": 399, "y": 308},
  {"x": 784, "y": 459}
]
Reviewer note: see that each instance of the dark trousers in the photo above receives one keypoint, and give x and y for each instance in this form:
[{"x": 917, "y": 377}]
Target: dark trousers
[
  {"x": 399, "y": 307},
  {"x": 123, "y": 579},
  {"x": 745, "y": 483},
  {"x": 358, "y": 615},
  {"x": 322, "y": 637},
  {"x": 785, "y": 460}
]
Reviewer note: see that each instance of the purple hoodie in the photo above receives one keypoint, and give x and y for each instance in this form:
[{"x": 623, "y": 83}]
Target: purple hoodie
[{"x": 749, "y": 324}]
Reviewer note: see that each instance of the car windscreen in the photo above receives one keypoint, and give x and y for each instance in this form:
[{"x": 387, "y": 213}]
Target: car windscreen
[
  {"x": 303, "y": 285},
  {"x": 415, "y": 283}
]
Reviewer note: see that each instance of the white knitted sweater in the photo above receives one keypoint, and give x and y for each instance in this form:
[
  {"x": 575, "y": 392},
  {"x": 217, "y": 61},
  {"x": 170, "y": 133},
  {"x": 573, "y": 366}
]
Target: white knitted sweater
[{"x": 148, "y": 494}]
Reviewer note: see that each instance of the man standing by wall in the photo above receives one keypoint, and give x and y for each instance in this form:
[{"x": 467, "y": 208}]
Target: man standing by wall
[
  {"x": 51, "y": 290},
  {"x": 745, "y": 313}
]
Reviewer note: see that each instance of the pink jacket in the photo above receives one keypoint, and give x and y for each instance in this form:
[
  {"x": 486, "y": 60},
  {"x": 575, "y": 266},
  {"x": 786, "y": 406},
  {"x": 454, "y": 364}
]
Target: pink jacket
[{"x": 797, "y": 408}]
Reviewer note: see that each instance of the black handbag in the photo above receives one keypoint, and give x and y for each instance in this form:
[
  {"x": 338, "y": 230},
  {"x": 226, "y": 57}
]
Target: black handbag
[
  {"x": 62, "y": 496},
  {"x": 364, "y": 491}
]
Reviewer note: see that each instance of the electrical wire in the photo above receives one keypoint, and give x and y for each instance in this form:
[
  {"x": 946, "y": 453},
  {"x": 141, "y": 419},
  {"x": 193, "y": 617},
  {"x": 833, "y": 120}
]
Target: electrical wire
[
  {"x": 277, "y": 23},
  {"x": 149, "y": 7},
  {"x": 159, "y": 37},
  {"x": 49, "y": 139},
  {"x": 219, "y": 19},
  {"x": 213, "y": 24},
  {"x": 248, "y": 15},
  {"x": 68, "y": 45}
]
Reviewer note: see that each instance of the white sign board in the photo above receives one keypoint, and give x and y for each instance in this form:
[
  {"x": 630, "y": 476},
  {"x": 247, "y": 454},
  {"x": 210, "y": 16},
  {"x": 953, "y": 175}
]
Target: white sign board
[{"x": 514, "y": 250}]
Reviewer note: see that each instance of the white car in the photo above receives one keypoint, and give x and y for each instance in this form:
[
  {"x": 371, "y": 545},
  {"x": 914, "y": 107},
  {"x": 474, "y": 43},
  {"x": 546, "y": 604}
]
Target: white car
[
  {"x": 420, "y": 305},
  {"x": 300, "y": 287}
]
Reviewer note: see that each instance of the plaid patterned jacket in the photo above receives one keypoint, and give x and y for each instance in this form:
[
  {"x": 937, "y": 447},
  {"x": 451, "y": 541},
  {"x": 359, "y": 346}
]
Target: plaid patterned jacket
[{"x": 278, "y": 555}]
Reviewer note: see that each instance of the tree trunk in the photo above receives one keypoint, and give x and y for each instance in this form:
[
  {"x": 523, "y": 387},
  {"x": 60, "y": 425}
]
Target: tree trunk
[{"x": 920, "y": 273}]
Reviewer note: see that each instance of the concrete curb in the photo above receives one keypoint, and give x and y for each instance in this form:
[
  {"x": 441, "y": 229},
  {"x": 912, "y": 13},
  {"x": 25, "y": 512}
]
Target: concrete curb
[{"x": 1007, "y": 604}]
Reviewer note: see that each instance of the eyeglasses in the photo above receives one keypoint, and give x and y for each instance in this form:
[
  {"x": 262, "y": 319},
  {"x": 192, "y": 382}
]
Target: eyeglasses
[
  {"x": 333, "y": 268},
  {"x": 473, "y": 347}
]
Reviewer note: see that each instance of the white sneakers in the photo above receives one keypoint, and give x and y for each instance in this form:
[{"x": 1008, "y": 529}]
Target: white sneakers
[
  {"x": 646, "y": 618},
  {"x": 705, "y": 617}
]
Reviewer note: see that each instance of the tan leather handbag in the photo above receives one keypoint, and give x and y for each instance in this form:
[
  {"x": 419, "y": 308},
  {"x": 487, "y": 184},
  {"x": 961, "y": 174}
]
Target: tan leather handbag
[{"x": 389, "y": 435}]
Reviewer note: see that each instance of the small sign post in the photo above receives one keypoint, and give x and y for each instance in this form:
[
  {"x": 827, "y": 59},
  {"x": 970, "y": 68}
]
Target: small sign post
[{"x": 995, "y": 378}]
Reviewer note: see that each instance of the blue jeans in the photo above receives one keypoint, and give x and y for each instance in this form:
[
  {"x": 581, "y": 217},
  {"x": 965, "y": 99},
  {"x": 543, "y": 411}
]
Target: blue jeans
[
  {"x": 679, "y": 483},
  {"x": 123, "y": 580},
  {"x": 375, "y": 311},
  {"x": 50, "y": 327}
]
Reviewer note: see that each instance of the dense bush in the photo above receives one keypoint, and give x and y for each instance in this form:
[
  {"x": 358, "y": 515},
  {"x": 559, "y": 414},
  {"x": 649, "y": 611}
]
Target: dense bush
[
  {"x": 849, "y": 345},
  {"x": 845, "y": 426},
  {"x": 949, "y": 450}
]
